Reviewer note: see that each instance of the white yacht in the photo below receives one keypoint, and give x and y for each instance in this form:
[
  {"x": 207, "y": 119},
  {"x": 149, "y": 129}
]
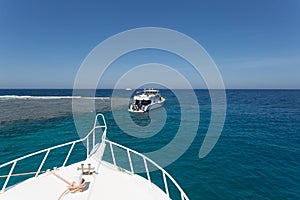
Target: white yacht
[
  {"x": 93, "y": 177},
  {"x": 148, "y": 100}
]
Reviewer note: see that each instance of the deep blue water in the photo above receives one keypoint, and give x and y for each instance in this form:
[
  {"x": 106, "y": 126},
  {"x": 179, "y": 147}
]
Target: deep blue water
[{"x": 256, "y": 157}]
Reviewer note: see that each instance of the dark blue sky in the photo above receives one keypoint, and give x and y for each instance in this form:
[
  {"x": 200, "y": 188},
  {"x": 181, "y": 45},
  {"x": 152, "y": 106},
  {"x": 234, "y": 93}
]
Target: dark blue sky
[{"x": 255, "y": 44}]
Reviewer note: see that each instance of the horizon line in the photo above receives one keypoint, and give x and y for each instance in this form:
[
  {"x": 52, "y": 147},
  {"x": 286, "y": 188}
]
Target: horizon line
[{"x": 155, "y": 88}]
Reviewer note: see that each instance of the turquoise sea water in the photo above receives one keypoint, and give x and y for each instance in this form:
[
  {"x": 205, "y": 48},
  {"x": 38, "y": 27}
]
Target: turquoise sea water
[{"x": 256, "y": 157}]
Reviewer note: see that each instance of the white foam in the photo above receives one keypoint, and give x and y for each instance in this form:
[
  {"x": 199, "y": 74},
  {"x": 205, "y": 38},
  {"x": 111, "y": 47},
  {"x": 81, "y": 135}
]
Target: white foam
[{"x": 7, "y": 97}]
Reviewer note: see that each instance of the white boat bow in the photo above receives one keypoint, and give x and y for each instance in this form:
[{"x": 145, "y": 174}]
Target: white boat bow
[{"x": 92, "y": 178}]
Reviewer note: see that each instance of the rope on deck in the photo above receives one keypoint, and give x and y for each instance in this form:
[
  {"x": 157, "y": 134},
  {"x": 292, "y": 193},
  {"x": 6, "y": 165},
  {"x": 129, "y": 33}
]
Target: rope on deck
[{"x": 72, "y": 188}]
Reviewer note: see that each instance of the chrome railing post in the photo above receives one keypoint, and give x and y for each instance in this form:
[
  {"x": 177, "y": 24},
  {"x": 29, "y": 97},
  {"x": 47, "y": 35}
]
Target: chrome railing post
[
  {"x": 166, "y": 184},
  {"x": 147, "y": 170},
  {"x": 87, "y": 147},
  {"x": 8, "y": 177},
  {"x": 68, "y": 155},
  {"x": 42, "y": 163},
  {"x": 130, "y": 162},
  {"x": 94, "y": 137},
  {"x": 112, "y": 154}
]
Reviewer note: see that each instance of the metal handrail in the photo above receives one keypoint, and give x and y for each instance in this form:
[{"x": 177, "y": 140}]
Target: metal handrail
[
  {"x": 47, "y": 150},
  {"x": 111, "y": 144},
  {"x": 146, "y": 159}
]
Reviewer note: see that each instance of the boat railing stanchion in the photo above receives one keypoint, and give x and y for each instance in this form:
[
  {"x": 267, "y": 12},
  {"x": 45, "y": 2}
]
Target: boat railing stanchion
[
  {"x": 166, "y": 184},
  {"x": 112, "y": 154},
  {"x": 69, "y": 153},
  {"x": 42, "y": 163},
  {"x": 93, "y": 137},
  {"x": 182, "y": 197},
  {"x": 147, "y": 170},
  {"x": 8, "y": 177},
  {"x": 87, "y": 147},
  {"x": 130, "y": 161}
]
